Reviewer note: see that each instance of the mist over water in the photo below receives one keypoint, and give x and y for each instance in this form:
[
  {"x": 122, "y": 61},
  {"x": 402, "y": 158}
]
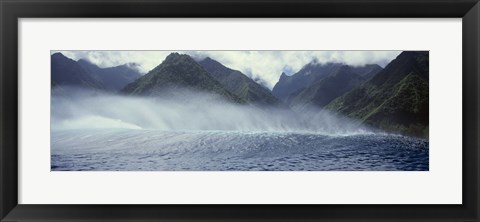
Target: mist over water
[
  {"x": 187, "y": 111},
  {"x": 199, "y": 132}
]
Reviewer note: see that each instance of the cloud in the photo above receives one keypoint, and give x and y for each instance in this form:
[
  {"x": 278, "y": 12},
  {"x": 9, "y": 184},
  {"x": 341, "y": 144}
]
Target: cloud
[
  {"x": 263, "y": 66},
  {"x": 187, "y": 110},
  {"x": 146, "y": 60}
]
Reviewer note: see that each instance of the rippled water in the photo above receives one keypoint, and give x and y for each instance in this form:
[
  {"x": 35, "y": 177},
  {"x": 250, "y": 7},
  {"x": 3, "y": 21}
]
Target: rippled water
[{"x": 147, "y": 150}]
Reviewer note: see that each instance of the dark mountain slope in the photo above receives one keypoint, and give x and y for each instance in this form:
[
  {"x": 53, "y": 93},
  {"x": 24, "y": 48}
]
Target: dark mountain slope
[
  {"x": 113, "y": 78},
  {"x": 289, "y": 87},
  {"x": 310, "y": 73},
  {"x": 324, "y": 91},
  {"x": 67, "y": 72},
  {"x": 367, "y": 71},
  {"x": 239, "y": 84}
]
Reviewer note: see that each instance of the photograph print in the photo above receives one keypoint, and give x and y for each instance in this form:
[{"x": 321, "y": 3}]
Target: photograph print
[{"x": 239, "y": 110}]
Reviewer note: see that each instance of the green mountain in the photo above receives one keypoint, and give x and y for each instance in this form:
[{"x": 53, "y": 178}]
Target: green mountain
[
  {"x": 324, "y": 91},
  {"x": 395, "y": 99},
  {"x": 239, "y": 84},
  {"x": 113, "y": 78},
  {"x": 178, "y": 72},
  {"x": 67, "y": 72}
]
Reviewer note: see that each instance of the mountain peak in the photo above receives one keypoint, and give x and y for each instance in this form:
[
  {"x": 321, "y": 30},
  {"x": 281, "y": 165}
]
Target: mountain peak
[
  {"x": 314, "y": 61},
  {"x": 176, "y": 59},
  {"x": 412, "y": 55},
  {"x": 175, "y": 56},
  {"x": 59, "y": 55},
  {"x": 211, "y": 61},
  {"x": 85, "y": 61},
  {"x": 68, "y": 72},
  {"x": 406, "y": 62}
]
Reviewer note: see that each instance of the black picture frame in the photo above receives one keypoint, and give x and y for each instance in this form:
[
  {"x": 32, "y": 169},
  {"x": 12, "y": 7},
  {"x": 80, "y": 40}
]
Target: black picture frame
[{"x": 12, "y": 10}]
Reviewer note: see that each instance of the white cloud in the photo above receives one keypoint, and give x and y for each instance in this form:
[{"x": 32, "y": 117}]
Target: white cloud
[
  {"x": 146, "y": 60},
  {"x": 263, "y": 65}
]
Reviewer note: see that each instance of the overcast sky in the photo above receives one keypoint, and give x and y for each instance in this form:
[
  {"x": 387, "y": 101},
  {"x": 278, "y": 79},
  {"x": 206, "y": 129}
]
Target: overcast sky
[{"x": 263, "y": 65}]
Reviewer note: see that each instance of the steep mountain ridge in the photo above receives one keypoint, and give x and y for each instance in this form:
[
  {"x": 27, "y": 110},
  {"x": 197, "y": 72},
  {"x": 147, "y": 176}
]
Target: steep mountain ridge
[
  {"x": 288, "y": 87},
  {"x": 309, "y": 74},
  {"x": 324, "y": 91},
  {"x": 239, "y": 84}
]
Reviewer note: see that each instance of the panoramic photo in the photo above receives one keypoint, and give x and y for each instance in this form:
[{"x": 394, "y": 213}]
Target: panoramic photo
[{"x": 239, "y": 110}]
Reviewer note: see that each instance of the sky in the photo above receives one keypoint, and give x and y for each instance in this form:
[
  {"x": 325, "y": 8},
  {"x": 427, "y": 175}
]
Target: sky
[{"x": 265, "y": 67}]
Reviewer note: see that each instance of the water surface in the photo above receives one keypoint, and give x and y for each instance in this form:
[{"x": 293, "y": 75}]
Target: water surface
[{"x": 156, "y": 150}]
